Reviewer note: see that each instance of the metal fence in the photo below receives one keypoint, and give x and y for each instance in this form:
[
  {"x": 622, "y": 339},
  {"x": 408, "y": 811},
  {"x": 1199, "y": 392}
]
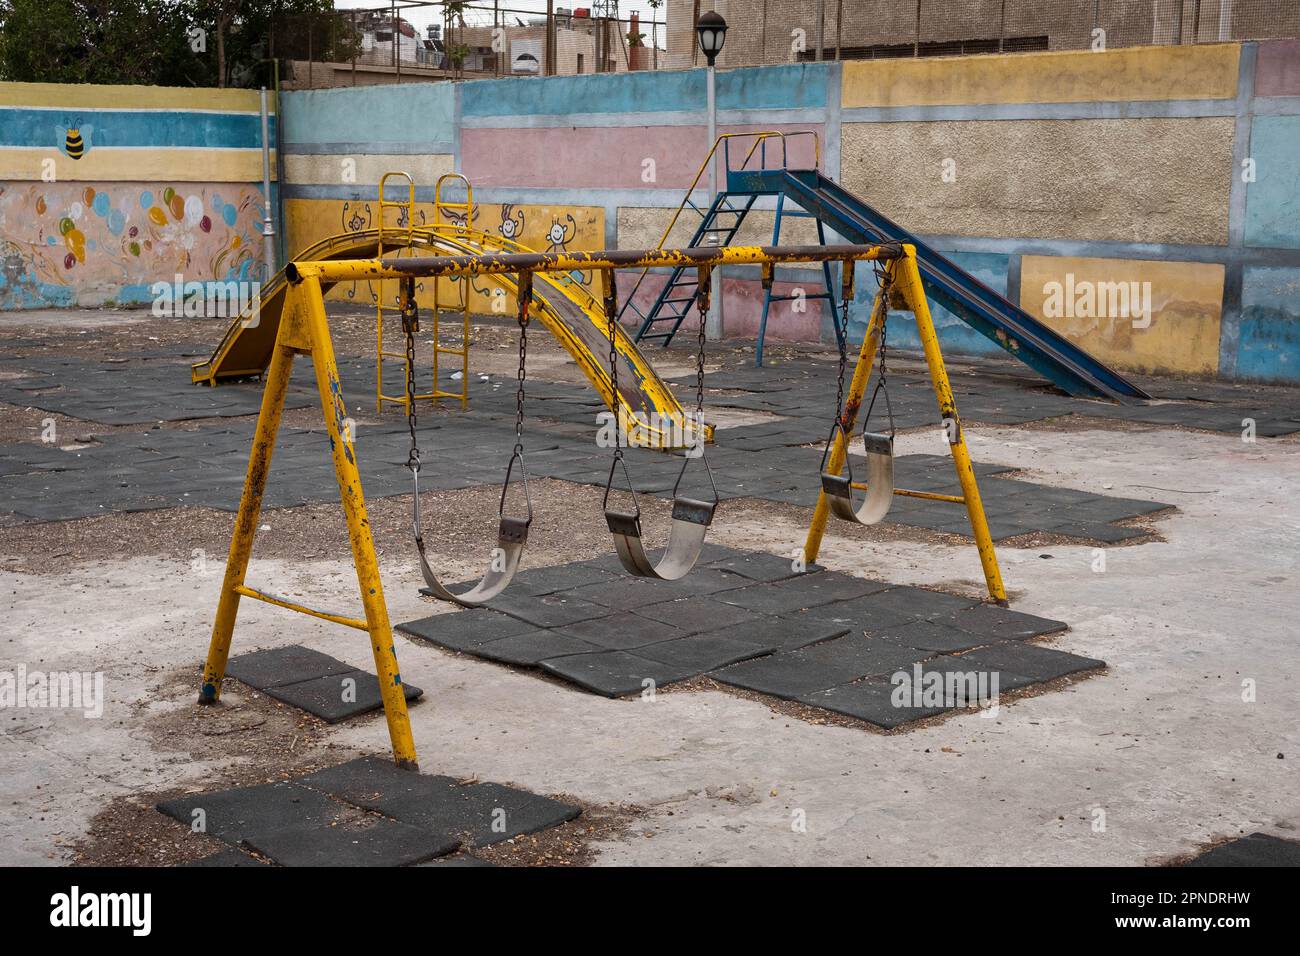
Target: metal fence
[{"x": 415, "y": 40}]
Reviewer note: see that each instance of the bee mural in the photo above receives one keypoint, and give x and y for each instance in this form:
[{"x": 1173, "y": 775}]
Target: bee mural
[{"x": 74, "y": 141}]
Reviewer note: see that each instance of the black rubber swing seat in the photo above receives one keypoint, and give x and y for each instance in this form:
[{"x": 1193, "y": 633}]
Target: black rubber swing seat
[{"x": 880, "y": 483}]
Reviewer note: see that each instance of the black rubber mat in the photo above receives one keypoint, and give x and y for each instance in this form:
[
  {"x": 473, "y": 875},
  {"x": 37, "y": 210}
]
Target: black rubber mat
[
  {"x": 481, "y": 813},
  {"x": 1257, "y": 849},
  {"x": 822, "y": 638},
  {"x": 317, "y": 683},
  {"x": 365, "y": 812}
]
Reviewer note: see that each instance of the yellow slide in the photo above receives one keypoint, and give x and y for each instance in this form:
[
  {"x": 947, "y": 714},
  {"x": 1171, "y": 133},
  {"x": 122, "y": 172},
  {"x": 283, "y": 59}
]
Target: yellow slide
[{"x": 569, "y": 312}]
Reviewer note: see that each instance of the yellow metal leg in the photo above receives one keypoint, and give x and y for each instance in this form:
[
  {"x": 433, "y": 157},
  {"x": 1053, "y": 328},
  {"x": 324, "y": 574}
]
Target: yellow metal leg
[
  {"x": 312, "y": 317},
  {"x": 909, "y": 278},
  {"x": 250, "y": 507}
]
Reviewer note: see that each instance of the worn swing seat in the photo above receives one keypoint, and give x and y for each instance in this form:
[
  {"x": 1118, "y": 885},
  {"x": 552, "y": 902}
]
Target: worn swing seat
[
  {"x": 880, "y": 483},
  {"x": 691, "y": 520},
  {"x": 512, "y": 537}
]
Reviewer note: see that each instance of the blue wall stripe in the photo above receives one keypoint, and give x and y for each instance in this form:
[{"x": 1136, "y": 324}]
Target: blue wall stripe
[
  {"x": 160, "y": 128},
  {"x": 794, "y": 86}
]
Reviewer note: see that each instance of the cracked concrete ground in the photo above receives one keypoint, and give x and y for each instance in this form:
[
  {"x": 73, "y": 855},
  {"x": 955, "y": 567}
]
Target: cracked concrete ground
[{"x": 1165, "y": 751}]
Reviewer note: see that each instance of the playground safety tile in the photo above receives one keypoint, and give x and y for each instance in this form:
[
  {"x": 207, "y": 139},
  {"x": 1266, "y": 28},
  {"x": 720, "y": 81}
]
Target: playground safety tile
[
  {"x": 367, "y": 778},
  {"x": 793, "y": 674},
  {"x": 958, "y": 670},
  {"x": 931, "y": 636},
  {"x": 530, "y": 649},
  {"x": 1257, "y": 849},
  {"x": 328, "y": 697},
  {"x": 439, "y": 803},
  {"x": 775, "y": 632},
  {"x": 624, "y": 594},
  {"x": 370, "y": 841},
  {"x": 621, "y": 631},
  {"x": 756, "y": 566},
  {"x": 774, "y": 599},
  {"x": 561, "y": 577},
  {"x": 243, "y": 812},
  {"x": 467, "y": 629},
  {"x": 547, "y": 610},
  {"x": 277, "y": 666},
  {"x": 1028, "y": 660},
  {"x": 999, "y": 623},
  {"x": 921, "y": 602},
  {"x": 871, "y": 700},
  {"x": 860, "y": 614},
  {"x": 616, "y": 673},
  {"x": 695, "y": 615},
  {"x": 702, "y": 652}
]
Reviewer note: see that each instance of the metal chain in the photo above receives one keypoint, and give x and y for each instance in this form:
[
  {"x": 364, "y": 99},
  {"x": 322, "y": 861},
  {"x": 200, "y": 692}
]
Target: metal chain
[
  {"x": 703, "y": 305},
  {"x": 410, "y": 325},
  {"x": 525, "y": 291},
  {"x": 611, "y": 304},
  {"x": 846, "y": 284},
  {"x": 884, "y": 278}
]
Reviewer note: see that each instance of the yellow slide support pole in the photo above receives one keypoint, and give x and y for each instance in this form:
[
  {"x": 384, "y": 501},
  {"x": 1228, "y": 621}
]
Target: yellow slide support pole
[
  {"x": 909, "y": 277},
  {"x": 250, "y": 508},
  {"x": 852, "y": 404},
  {"x": 307, "y": 312}
]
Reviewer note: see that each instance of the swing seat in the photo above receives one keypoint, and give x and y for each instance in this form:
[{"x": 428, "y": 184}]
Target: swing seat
[
  {"x": 880, "y": 484},
  {"x": 691, "y": 520},
  {"x": 512, "y": 537}
]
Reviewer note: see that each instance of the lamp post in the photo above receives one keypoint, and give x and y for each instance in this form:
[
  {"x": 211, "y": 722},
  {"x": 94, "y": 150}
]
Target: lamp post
[{"x": 711, "y": 30}]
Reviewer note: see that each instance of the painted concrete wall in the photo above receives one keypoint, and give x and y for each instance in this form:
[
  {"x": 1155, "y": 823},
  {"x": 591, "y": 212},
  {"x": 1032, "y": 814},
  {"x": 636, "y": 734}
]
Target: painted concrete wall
[
  {"x": 157, "y": 183},
  {"x": 1176, "y": 168}
]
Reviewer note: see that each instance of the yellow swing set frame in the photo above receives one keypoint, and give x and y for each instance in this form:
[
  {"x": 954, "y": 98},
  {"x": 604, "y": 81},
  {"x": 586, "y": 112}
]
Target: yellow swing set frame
[{"x": 304, "y": 330}]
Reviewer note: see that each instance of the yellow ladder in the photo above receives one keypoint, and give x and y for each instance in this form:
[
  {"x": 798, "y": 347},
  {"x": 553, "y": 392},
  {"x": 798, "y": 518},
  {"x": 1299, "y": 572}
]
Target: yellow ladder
[
  {"x": 408, "y": 206},
  {"x": 461, "y": 216}
]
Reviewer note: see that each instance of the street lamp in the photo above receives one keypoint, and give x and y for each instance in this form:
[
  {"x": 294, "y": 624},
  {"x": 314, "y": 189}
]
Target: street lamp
[{"x": 711, "y": 30}]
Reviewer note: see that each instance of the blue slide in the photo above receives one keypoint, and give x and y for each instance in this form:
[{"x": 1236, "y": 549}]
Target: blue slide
[{"x": 1041, "y": 348}]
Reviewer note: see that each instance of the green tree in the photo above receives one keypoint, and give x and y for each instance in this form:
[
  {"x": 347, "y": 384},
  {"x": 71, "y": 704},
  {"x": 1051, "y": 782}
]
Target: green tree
[{"x": 162, "y": 42}]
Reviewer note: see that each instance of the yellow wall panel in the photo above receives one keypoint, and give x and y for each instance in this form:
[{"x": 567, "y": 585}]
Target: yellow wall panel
[
  {"x": 1171, "y": 323},
  {"x": 1077, "y": 76},
  {"x": 135, "y": 164}
]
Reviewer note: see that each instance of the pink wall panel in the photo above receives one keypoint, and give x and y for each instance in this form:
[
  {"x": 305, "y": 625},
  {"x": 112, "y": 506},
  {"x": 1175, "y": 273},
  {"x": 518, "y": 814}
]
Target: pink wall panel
[
  {"x": 1277, "y": 70},
  {"x": 601, "y": 158}
]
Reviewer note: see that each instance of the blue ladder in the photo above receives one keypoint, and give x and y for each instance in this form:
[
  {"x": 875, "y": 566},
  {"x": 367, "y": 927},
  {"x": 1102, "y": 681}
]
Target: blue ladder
[
  {"x": 674, "y": 301},
  {"x": 827, "y": 279}
]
